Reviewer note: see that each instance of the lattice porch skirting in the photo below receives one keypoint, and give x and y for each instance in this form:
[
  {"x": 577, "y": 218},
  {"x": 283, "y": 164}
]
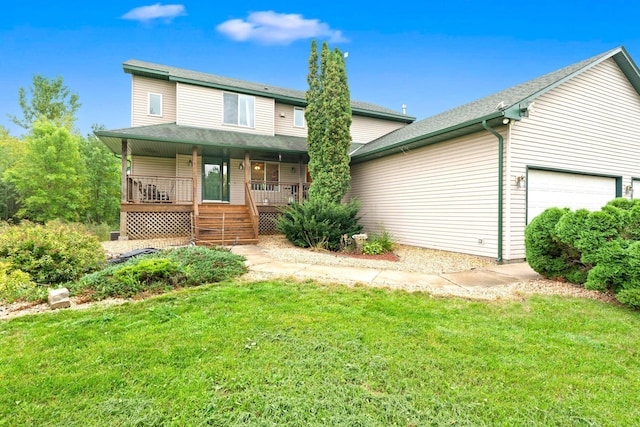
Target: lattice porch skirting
[
  {"x": 152, "y": 225},
  {"x": 267, "y": 223}
]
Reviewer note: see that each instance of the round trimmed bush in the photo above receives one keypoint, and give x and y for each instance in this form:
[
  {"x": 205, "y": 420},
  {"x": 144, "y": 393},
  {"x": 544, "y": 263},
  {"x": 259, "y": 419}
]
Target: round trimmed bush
[{"x": 545, "y": 253}]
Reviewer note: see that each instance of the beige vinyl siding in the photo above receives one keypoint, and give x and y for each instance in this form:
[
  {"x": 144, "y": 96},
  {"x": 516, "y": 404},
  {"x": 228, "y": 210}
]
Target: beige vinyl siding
[
  {"x": 183, "y": 170},
  {"x": 236, "y": 185},
  {"x": 203, "y": 107},
  {"x": 366, "y": 129},
  {"x": 140, "y": 89},
  {"x": 363, "y": 129},
  {"x": 152, "y": 166},
  {"x": 442, "y": 196},
  {"x": 284, "y": 125},
  {"x": 290, "y": 173},
  {"x": 589, "y": 124}
]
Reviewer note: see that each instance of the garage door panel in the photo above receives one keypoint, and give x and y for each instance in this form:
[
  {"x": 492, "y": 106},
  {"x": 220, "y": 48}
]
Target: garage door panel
[
  {"x": 635, "y": 189},
  {"x": 547, "y": 189}
]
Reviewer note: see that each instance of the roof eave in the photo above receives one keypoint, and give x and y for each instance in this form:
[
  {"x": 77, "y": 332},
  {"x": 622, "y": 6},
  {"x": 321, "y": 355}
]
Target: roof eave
[
  {"x": 122, "y": 135},
  {"x": 299, "y": 102},
  {"x": 427, "y": 139}
]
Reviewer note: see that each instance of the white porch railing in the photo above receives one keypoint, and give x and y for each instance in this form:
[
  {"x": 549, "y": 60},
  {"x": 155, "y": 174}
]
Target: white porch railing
[
  {"x": 278, "y": 193},
  {"x": 157, "y": 189}
]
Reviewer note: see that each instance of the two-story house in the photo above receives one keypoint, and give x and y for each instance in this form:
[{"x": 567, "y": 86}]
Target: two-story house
[
  {"x": 213, "y": 156},
  {"x": 466, "y": 180}
]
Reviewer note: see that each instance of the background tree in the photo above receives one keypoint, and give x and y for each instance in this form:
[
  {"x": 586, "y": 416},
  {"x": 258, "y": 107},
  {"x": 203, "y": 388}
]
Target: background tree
[
  {"x": 50, "y": 177},
  {"x": 102, "y": 181},
  {"x": 49, "y": 99},
  {"x": 11, "y": 150},
  {"x": 328, "y": 116}
]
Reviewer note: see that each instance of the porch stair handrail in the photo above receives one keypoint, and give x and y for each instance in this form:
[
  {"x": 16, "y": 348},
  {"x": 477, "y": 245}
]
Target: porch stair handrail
[{"x": 253, "y": 210}]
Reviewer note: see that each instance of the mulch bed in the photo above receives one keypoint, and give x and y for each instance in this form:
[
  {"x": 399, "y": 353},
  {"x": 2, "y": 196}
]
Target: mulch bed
[{"x": 389, "y": 256}]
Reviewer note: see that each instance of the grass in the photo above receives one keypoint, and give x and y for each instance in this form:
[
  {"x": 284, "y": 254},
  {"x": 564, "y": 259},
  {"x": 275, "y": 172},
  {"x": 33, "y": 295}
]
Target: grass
[{"x": 286, "y": 354}]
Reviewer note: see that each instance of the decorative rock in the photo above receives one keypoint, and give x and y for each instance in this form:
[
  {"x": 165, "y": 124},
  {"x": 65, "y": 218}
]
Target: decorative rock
[{"x": 59, "y": 298}]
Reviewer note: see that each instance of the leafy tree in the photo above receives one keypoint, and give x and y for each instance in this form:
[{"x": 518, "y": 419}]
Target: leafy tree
[
  {"x": 102, "y": 181},
  {"x": 10, "y": 151},
  {"x": 328, "y": 116},
  {"x": 49, "y": 99},
  {"x": 49, "y": 177}
]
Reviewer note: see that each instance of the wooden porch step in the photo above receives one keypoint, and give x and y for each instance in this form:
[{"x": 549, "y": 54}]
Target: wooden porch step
[{"x": 223, "y": 224}]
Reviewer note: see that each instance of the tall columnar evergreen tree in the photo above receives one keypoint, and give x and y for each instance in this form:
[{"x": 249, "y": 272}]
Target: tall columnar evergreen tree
[
  {"x": 51, "y": 100},
  {"x": 50, "y": 177},
  {"x": 328, "y": 116}
]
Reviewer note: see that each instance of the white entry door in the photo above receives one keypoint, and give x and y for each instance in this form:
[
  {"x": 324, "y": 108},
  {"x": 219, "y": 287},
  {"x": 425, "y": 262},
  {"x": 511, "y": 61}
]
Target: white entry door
[{"x": 547, "y": 189}]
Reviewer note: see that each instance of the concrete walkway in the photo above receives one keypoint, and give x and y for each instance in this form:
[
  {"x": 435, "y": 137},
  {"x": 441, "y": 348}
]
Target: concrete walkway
[{"x": 470, "y": 281}]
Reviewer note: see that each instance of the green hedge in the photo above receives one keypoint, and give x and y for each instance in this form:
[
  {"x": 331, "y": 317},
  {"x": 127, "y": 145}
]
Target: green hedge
[{"x": 600, "y": 249}]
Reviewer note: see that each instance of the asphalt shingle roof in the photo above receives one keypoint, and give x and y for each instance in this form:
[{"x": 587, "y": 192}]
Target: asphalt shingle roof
[
  {"x": 486, "y": 108},
  {"x": 296, "y": 96}
]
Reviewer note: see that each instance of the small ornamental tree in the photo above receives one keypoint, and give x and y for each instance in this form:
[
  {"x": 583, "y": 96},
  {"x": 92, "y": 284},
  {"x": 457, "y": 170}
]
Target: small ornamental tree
[{"x": 328, "y": 116}]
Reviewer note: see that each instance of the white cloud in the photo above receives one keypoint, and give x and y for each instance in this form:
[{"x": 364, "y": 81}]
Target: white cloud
[
  {"x": 277, "y": 28},
  {"x": 155, "y": 11}
]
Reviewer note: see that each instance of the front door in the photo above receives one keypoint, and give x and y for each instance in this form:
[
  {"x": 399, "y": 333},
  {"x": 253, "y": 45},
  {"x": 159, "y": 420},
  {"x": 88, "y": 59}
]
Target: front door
[{"x": 215, "y": 180}]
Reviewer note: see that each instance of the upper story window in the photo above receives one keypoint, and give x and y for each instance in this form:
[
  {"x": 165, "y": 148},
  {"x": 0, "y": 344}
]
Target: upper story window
[
  {"x": 239, "y": 110},
  {"x": 298, "y": 117},
  {"x": 155, "y": 104}
]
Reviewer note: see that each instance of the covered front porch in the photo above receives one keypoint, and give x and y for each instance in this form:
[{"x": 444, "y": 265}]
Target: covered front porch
[{"x": 205, "y": 183}]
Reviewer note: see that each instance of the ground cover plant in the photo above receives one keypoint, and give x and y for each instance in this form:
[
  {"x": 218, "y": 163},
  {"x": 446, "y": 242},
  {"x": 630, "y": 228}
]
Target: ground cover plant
[
  {"x": 160, "y": 272},
  {"x": 287, "y": 354}
]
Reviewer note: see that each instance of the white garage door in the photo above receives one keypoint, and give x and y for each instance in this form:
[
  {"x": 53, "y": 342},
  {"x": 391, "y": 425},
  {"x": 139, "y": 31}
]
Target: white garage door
[
  {"x": 547, "y": 189},
  {"x": 635, "y": 189}
]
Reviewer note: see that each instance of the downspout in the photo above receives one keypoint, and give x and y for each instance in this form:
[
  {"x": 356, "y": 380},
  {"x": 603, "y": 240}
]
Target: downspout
[{"x": 500, "y": 182}]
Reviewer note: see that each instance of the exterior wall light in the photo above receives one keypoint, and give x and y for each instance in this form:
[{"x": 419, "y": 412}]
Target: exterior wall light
[
  {"x": 241, "y": 166},
  {"x": 520, "y": 181}
]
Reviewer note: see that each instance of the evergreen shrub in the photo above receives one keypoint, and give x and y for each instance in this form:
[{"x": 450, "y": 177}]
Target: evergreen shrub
[
  {"x": 546, "y": 254},
  {"x": 319, "y": 224}
]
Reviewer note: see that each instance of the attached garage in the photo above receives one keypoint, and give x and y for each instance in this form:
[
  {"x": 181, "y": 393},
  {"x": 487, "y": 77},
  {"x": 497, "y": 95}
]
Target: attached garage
[{"x": 547, "y": 189}]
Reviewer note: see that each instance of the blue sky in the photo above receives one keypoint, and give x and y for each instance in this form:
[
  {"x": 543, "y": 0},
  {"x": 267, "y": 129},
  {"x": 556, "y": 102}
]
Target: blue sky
[{"x": 431, "y": 56}]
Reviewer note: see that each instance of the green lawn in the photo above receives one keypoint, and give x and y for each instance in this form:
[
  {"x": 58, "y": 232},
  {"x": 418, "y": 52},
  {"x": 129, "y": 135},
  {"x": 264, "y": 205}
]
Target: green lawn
[{"x": 278, "y": 353}]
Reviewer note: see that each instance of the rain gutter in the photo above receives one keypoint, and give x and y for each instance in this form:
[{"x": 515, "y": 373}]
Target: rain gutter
[{"x": 500, "y": 182}]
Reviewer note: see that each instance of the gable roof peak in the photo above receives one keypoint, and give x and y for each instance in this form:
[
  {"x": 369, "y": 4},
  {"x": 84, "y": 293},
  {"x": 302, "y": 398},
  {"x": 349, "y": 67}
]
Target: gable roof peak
[{"x": 510, "y": 103}]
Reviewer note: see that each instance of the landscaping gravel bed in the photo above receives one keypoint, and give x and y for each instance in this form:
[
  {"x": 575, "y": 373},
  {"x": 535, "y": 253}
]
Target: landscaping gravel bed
[{"x": 410, "y": 258}]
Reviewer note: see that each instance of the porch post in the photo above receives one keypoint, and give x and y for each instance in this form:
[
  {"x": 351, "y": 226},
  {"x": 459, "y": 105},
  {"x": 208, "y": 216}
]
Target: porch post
[
  {"x": 300, "y": 180},
  {"x": 123, "y": 190},
  {"x": 194, "y": 177},
  {"x": 247, "y": 167},
  {"x": 123, "y": 155}
]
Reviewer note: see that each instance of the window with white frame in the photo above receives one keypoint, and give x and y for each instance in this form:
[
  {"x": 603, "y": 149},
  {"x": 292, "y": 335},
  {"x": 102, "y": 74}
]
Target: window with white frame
[
  {"x": 155, "y": 104},
  {"x": 239, "y": 109},
  {"x": 298, "y": 117}
]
